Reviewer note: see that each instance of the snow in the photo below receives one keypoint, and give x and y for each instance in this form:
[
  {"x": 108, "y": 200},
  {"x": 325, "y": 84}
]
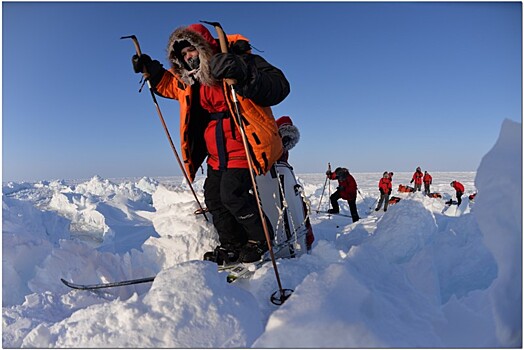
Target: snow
[{"x": 420, "y": 275}]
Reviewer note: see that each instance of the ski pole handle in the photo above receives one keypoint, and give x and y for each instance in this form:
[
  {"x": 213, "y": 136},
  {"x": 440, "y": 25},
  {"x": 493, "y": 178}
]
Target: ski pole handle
[
  {"x": 222, "y": 38},
  {"x": 145, "y": 74}
]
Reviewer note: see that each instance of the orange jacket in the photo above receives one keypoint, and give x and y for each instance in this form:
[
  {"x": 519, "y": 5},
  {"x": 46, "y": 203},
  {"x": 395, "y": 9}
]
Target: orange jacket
[
  {"x": 264, "y": 141},
  {"x": 458, "y": 186},
  {"x": 417, "y": 177},
  {"x": 385, "y": 184},
  {"x": 428, "y": 179}
]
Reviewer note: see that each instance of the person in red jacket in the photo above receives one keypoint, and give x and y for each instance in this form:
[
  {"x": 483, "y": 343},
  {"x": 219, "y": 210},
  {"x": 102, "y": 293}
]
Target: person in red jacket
[
  {"x": 459, "y": 188},
  {"x": 209, "y": 129},
  {"x": 417, "y": 177},
  {"x": 290, "y": 136},
  {"x": 384, "y": 186},
  {"x": 427, "y": 182},
  {"x": 347, "y": 189}
]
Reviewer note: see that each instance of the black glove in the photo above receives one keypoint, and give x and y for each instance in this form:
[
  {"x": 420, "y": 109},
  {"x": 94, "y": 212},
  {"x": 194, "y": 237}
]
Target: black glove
[
  {"x": 240, "y": 47},
  {"x": 328, "y": 173},
  {"x": 154, "y": 68},
  {"x": 389, "y": 192},
  {"x": 340, "y": 188},
  {"x": 381, "y": 191},
  {"x": 411, "y": 181},
  {"x": 229, "y": 66}
]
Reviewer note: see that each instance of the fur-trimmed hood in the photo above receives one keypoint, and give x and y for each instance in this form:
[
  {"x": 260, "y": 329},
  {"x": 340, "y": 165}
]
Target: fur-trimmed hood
[{"x": 198, "y": 36}]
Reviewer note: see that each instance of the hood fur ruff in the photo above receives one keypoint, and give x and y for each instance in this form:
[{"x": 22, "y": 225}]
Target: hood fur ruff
[
  {"x": 206, "y": 46},
  {"x": 292, "y": 134}
]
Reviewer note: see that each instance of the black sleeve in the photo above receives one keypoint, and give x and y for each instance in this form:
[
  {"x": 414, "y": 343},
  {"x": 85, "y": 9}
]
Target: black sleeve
[{"x": 265, "y": 85}]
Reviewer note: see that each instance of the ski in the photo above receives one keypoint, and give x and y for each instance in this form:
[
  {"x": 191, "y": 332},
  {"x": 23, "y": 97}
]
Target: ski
[
  {"x": 106, "y": 285},
  {"x": 245, "y": 270},
  {"x": 235, "y": 271},
  {"x": 339, "y": 214}
]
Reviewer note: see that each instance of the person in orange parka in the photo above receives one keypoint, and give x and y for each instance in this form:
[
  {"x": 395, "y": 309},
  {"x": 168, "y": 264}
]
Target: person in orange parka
[
  {"x": 417, "y": 177},
  {"x": 209, "y": 129},
  {"x": 427, "y": 183},
  {"x": 384, "y": 186},
  {"x": 459, "y": 188},
  {"x": 347, "y": 189}
]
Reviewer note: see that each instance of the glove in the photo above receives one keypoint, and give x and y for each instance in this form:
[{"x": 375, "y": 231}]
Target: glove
[
  {"x": 154, "y": 68},
  {"x": 381, "y": 191},
  {"x": 340, "y": 188},
  {"x": 328, "y": 173},
  {"x": 389, "y": 192},
  {"x": 240, "y": 47},
  {"x": 229, "y": 66},
  {"x": 411, "y": 181}
]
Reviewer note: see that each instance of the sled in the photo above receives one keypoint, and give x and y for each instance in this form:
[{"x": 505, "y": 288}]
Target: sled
[
  {"x": 402, "y": 188},
  {"x": 394, "y": 200},
  {"x": 282, "y": 201}
]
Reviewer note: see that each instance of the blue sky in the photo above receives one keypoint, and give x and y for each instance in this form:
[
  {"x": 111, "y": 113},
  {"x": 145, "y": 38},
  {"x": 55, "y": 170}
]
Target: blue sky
[{"x": 374, "y": 86}]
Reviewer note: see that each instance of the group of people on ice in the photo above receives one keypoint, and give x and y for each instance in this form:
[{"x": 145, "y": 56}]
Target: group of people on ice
[
  {"x": 427, "y": 179},
  {"x": 347, "y": 189},
  {"x": 225, "y": 94}
]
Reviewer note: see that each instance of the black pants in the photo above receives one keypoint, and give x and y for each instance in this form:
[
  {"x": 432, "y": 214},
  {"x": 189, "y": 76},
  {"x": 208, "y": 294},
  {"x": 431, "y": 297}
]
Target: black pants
[
  {"x": 384, "y": 197},
  {"x": 459, "y": 197},
  {"x": 352, "y": 205},
  {"x": 426, "y": 188},
  {"x": 235, "y": 211}
]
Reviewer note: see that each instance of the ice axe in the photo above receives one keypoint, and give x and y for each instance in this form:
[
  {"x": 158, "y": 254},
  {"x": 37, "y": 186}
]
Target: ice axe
[
  {"x": 284, "y": 293},
  {"x": 145, "y": 75}
]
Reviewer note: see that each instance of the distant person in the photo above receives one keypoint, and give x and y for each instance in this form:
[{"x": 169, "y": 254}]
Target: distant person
[
  {"x": 459, "y": 188},
  {"x": 427, "y": 183},
  {"x": 347, "y": 189},
  {"x": 384, "y": 186},
  {"x": 417, "y": 177}
]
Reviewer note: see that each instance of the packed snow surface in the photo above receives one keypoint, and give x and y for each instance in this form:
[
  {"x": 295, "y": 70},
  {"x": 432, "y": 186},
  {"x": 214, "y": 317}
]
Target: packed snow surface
[{"x": 423, "y": 274}]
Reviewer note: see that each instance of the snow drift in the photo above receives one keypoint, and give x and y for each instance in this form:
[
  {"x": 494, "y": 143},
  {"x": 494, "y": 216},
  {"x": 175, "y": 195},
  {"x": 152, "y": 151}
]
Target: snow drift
[{"x": 423, "y": 274}]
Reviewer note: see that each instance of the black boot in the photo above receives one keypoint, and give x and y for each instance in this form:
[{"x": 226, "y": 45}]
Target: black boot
[
  {"x": 252, "y": 251},
  {"x": 223, "y": 255},
  {"x": 333, "y": 211}
]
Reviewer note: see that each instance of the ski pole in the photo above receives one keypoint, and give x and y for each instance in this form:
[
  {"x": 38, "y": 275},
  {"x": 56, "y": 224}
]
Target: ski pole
[
  {"x": 323, "y": 189},
  {"x": 372, "y": 205},
  {"x": 145, "y": 74},
  {"x": 231, "y": 83},
  {"x": 329, "y": 187}
]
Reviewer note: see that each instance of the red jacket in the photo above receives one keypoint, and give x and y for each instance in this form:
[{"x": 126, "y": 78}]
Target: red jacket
[
  {"x": 349, "y": 190},
  {"x": 458, "y": 186},
  {"x": 427, "y": 179},
  {"x": 417, "y": 177},
  {"x": 385, "y": 184}
]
